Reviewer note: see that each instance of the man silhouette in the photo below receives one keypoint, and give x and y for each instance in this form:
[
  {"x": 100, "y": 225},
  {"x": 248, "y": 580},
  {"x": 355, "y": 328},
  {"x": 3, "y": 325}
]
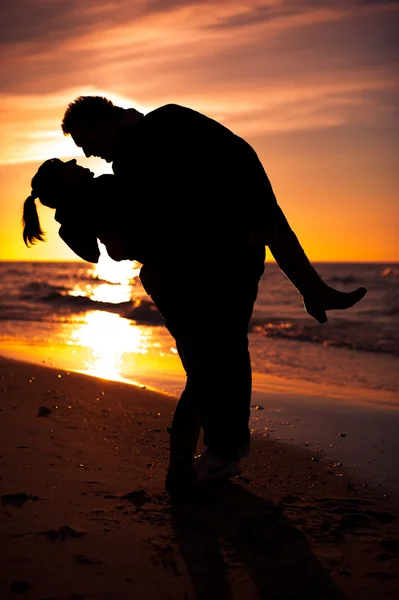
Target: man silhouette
[{"x": 215, "y": 213}]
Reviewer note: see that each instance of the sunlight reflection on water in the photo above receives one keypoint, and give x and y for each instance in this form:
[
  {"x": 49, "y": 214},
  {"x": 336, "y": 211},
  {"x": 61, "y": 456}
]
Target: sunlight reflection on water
[
  {"x": 95, "y": 338},
  {"x": 108, "y": 337},
  {"x": 121, "y": 272},
  {"x": 109, "y": 346},
  {"x": 118, "y": 278}
]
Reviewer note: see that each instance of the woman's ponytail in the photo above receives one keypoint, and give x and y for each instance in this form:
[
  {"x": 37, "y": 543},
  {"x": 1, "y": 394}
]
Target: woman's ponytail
[{"x": 30, "y": 219}]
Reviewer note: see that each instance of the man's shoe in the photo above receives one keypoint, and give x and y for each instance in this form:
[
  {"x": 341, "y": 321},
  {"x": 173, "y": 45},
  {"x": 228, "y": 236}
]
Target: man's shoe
[
  {"x": 209, "y": 468},
  {"x": 183, "y": 485}
]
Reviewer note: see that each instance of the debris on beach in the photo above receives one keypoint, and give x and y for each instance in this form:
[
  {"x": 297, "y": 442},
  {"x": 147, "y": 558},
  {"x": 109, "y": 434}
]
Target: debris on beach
[
  {"x": 19, "y": 587},
  {"x": 62, "y": 533},
  {"x": 382, "y": 516},
  {"x": 390, "y": 544},
  {"x": 137, "y": 497},
  {"x": 44, "y": 411},
  {"x": 17, "y": 500},
  {"x": 86, "y": 560},
  {"x": 243, "y": 479},
  {"x": 353, "y": 520}
]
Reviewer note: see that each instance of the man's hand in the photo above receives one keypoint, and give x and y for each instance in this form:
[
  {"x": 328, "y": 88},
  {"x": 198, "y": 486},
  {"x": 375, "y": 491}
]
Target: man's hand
[{"x": 330, "y": 299}]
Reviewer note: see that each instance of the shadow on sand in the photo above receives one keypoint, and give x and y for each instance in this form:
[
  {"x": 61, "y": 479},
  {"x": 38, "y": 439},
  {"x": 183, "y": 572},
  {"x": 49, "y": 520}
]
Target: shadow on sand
[{"x": 244, "y": 547}]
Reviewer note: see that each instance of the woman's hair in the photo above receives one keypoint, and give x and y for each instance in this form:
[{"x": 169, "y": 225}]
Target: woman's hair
[{"x": 47, "y": 186}]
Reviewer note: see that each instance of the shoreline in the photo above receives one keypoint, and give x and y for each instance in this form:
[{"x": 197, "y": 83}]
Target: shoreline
[
  {"x": 84, "y": 513},
  {"x": 169, "y": 376},
  {"x": 345, "y": 425}
]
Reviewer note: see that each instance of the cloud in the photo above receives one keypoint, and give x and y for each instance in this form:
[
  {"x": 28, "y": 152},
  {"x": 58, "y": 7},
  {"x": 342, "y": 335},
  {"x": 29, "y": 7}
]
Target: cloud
[
  {"x": 43, "y": 23},
  {"x": 297, "y": 12},
  {"x": 32, "y": 124},
  {"x": 182, "y": 40},
  {"x": 55, "y": 20},
  {"x": 293, "y": 66},
  {"x": 35, "y": 134}
]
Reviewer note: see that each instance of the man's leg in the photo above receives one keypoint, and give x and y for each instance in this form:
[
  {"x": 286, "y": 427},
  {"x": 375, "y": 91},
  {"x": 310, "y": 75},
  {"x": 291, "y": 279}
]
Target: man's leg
[
  {"x": 181, "y": 479},
  {"x": 217, "y": 393},
  {"x": 186, "y": 422},
  {"x": 199, "y": 363},
  {"x": 227, "y": 412}
]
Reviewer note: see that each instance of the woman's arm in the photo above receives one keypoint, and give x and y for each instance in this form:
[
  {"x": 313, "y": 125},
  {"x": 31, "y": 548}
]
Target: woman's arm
[
  {"x": 80, "y": 241},
  {"x": 78, "y": 216}
]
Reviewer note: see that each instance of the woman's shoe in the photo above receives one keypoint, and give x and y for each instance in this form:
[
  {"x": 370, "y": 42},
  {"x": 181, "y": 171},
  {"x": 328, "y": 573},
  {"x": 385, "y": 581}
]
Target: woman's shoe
[{"x": 330, "y": 299}]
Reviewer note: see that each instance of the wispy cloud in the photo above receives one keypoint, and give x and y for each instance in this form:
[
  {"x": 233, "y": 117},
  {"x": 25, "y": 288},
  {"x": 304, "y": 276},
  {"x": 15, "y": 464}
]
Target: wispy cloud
[
  {"x": 297, "y": 78},
  {"x": 289, "y": 13},
  {"x": 260, "y": 66},
  {"x": 36, "y": 134},
  {"x": 31, "y": 125},
  {"x": 52, "y": 21}
]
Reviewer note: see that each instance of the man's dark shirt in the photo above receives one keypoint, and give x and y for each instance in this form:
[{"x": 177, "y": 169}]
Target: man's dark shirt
[
  {"x": 202, "y": 184},
  {"x": 185, "y": 194},
  {"x": 196, "y": 190}
]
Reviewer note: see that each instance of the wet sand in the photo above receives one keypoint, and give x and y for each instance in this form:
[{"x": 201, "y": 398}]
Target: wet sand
[{"x": 84, "y": 513}]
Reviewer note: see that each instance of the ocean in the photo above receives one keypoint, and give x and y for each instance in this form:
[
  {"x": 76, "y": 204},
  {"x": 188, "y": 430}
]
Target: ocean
[{"x": 98, "y": 319}]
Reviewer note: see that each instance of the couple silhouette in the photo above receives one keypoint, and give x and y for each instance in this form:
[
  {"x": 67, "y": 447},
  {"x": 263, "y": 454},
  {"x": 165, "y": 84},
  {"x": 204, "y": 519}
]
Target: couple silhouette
[{"x": 191, "y": 202}]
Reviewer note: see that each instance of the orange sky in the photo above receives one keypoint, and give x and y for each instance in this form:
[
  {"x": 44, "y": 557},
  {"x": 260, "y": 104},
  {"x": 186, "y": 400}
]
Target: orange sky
[{"x": 311, "y": 84}]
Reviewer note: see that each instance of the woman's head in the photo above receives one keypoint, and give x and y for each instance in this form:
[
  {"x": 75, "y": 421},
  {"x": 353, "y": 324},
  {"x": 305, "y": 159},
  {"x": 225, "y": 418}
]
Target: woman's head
[{"x": 54, "y": 181}]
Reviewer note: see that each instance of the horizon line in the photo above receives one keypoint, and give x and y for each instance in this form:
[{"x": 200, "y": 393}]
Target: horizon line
[{"x": 55, "y": 260}]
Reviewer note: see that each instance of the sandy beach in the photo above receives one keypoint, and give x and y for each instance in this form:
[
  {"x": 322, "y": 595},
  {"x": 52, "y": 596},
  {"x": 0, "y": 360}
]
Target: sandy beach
[{"x": 84, "y": 513}]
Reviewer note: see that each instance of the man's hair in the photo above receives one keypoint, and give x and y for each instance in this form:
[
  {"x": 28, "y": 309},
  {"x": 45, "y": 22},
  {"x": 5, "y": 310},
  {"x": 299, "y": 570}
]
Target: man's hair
[{"x": 88, "y": 112}]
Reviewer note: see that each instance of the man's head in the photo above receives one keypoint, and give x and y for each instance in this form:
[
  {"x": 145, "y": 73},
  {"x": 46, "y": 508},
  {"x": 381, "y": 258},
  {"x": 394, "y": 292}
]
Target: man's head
[{"x": 92, "y": 121}]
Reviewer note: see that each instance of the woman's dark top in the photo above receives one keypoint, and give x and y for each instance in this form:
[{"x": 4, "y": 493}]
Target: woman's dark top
[{"x": 98, "y": 210}]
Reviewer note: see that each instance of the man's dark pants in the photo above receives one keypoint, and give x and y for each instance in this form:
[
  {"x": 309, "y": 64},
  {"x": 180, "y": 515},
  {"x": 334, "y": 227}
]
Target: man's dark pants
[{"x": 211, "y": 334}]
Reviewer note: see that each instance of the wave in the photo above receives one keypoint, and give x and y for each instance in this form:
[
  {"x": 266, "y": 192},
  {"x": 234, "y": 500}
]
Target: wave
[
  {"x": 351, "y": 338},
  {"x": 343, "y": 279},
  {"x": 359, "y": 333},
  {"x": 39, "y": 290},
  {"x": 15, "y": 271},
  {"x": 143, "y": 312},
  {"x": 65, "y": 300},
  {"x": 390, "y": 272}
]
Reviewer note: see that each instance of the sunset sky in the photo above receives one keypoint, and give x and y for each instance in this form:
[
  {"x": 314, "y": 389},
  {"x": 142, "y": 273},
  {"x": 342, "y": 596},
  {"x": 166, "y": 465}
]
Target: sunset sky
[{"x": 311, "y": 84}]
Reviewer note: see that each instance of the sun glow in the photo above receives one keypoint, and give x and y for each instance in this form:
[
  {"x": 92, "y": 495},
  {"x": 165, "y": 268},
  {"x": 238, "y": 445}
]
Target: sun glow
[
  {"x": 36, "y": 135},
  {"x": 115, "y": 272},
  {"x": 118, "y": 278},
  {"x": 108, "y": 337}
]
